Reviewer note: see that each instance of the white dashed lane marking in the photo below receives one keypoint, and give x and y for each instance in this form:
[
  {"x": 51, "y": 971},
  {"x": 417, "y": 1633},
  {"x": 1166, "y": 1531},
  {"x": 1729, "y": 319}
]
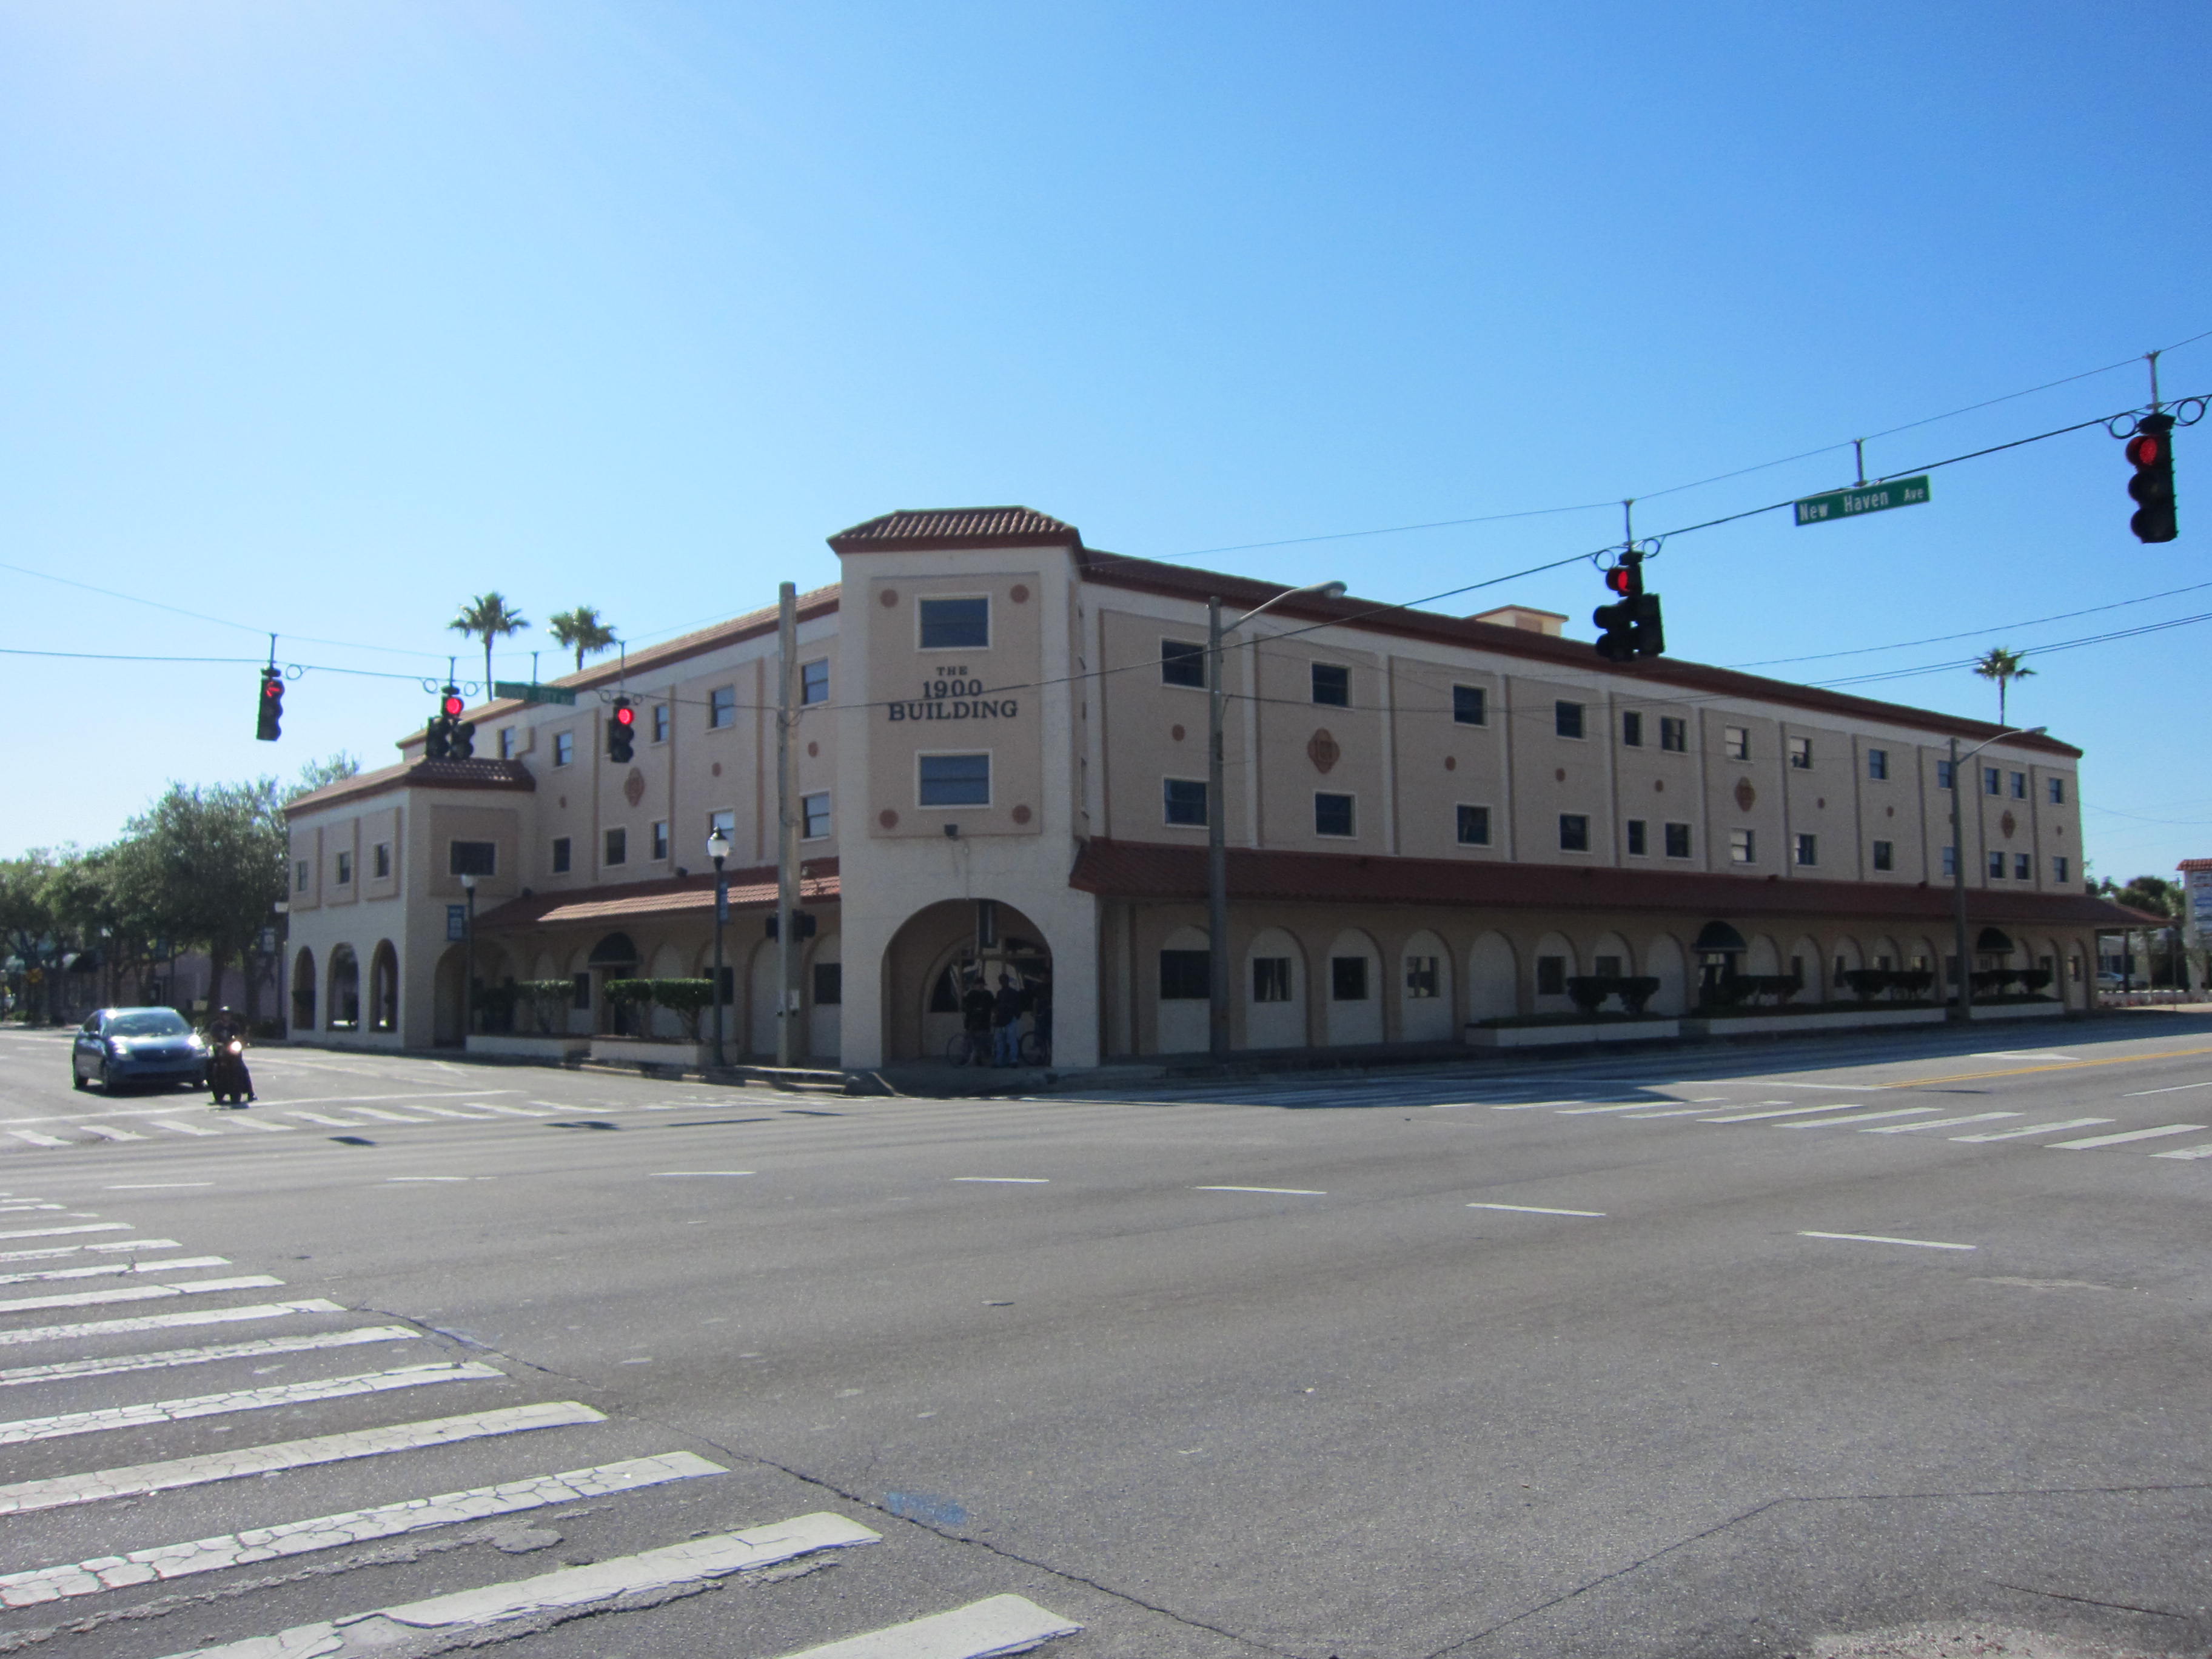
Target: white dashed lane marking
[
  {"x": 1937, "y": 1123},
  {"x": 1863, "y": 1117},
  {"x": 1293, "y": 1192},
  {"x": 1787, "y": 1111},
  {"x": 1877, "y": 1238},
  {"x": 1535, "y": 1209},
  {"x": 2094, "y": 1141}
]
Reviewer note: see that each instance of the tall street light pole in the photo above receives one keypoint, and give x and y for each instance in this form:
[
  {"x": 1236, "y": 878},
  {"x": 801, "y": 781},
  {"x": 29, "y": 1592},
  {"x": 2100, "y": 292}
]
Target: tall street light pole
[
  {"x": 1965, "y": 1009},
  {"x": 1217, "y": 813},
  {"x": 469, "y": 963},
  {"x": 787, "y": 829},
  {"x": 718, "y": 849}
]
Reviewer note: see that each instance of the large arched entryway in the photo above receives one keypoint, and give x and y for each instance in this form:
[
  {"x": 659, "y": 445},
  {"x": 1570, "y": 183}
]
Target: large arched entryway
[
  {"x": 345, "y": 989},
  {"x": 944, "y": 948},
  {"x": 614, "y": 957},
  {"x": 384, "y": 988},
  {"x": 303, "y": 990}
]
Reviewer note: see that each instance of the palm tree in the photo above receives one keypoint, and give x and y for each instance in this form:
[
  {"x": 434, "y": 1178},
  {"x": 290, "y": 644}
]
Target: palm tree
[
  {"x": 581, "y": 631},
  {"x": 2004, "y": 667},
  {"x": 488, "y": 615}
]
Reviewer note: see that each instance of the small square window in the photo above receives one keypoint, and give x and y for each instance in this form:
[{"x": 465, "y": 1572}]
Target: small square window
[
  {"x": 560, "y": 855},
  {"x": 1678, "y": 841},
  {"x": 472, "y": 858},
  {"x": 1884, "y": 855},
  {"x": 1182, "y": 663},
  {"x": 722, "y": 707},
  {"x": 829, "y": 984},
  {"x": 1271, "y": 979},
  {"x": 1550, "y": 976},
  {"x": 814, "y": 817},
  {"x": 2058, "y": 869},
  {"x": 1574, "y": 832},
  {"x": 2018, "y": 780},
  {"x": 1347, "y": 979},
  {"x": 1474, "y": 826},
  {"x": 1950, "y": 862},
  {"x": 725, "y": 820},
  {"x": 1674, "y": 734},
  {"x": 660, "y": 722},
  {"x": 2023, "y": 867},
  {"x": 380, "y": 859},
  {"x": 616, "y": 848},
  {"x": 2056, "y": 787},
  {"x": 1332, "y": 815},
  {"x": 1183, "y": 800},
  {"x": 344, "y": 876},
  {"x": 1877, "y": 764},
  {"x": 1638, "y": 845},
  {"x": 1992, "y": 780},
  {"x": 1631, "y": 729},
  {"x": 1332, "y": 684},
  {"x": 1944, "y": 773},
  {"x": 814, "y": 681},
  {"x": 1470, "y": 705},
  {"x": 954, "y": 779},
  {"x": 1808, "y": 849},
  {"x": 1421, "y": 978},
  {"x": 1801, "y": 754},
  {"x": 1735, "y": 742},
  {"x": 955, "y": 624},
  {"x": 660, "y": 841},
  {"x": 1567, "y": 720},
  {"x": 1743, "y": 846},
  {"x": 564, "y": 748},
  {"x": 1186, "y": 976}
]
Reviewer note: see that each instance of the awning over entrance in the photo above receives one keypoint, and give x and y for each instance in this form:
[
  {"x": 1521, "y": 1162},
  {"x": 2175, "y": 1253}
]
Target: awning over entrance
[{"x": 681, "y": 896}]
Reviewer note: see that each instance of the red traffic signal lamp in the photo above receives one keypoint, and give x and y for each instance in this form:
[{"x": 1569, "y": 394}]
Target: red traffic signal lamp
[
  {"x": 270, "y": 725},
  {"x": 2150, "y": 452},
  {"x": 1631, "y": 628},
  {"x": 449, "y": 737},
  {"x": 622, "y": 731}
]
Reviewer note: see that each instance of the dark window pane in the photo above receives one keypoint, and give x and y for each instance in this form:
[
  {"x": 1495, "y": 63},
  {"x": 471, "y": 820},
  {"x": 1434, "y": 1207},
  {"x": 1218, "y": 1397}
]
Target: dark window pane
[
  {"x": 1637, "y": 845},
  {"x": 1567, "y": 718},
  {"x": 1347, "y": 979},
  {"x": 1186, "y": 976},
  {"x": 1332, "y": 815},
  {"x": 955, "y": 624},
  {"x": 1182, "y": 663},
  {"x": 1474, "y": 826},
  {"x": 813, "y": 682},
  {"x": 1550, "y": 976},
  {"x": 829, "y": 984},
  {"x": 472, "y": 858},
  {"x": 1574, "y": 832},
  {"x": 1184, "y": 800},
  {"x": 1271, "y": 979},
  {"x": 1631, "y": 729},
  {"x": 1678, "y": 841},
  {"x": 1470, "y": 705},
  {"x": 1332, "y": 684},
  {"x": 955, "y": 780}
]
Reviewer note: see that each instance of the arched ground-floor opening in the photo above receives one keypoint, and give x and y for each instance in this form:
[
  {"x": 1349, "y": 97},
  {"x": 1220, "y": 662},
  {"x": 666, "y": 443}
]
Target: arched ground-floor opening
[{"x": 944, "y": 953}]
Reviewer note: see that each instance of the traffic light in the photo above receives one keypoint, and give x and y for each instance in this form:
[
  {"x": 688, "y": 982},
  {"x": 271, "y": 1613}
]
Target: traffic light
[
  {"x": 2151, "y": 452},
  {"x": 622, "y": 731},
  {"x": 1631, "y": 628},
  {"x": 449, "y": 737},
  {"x": 272, "y": 723},
  {"x": 436, "y": 744}
]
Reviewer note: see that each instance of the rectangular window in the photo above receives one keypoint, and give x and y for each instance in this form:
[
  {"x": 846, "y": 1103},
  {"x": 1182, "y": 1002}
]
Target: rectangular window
[
  {"x": 1877, "y": 764},
  {"x": 1735, "y": 742},
  {"x": 1183, "y": 800},
  {"x": 1182, "y": 663},
  {"x": 1332, "y": 684},
  {"x": 1808, "y": 849},
  {"x": 1678, "y": 841},
  {"x": 2019, "y": 782},
  {"x": 1992, "y": 780},
  {"x": 1637, "y": 845},
  {"x": 814, "y": 681},
  {"x": 814, "y": 817},
  {"x": 1674, "y": 734},
  {"x": 617, "y": 848},
  {"x": 472, "y": 858},
  {"x": 722, "y": 707},
  {"x": 1884, "y": 855},
  {"x": 582, "y": 998},
  {"x": 1574, "y": 832},
  {"x": 1801, "y": 754},
  {"x": 560, "y": 855},
  {"x": 1186, "y": 976},
  {"x": 1631, "y": 729},
  {"x": 2058, "y": 869},
  {"x": 955, "y": 624},
  {"x": 1271, "y": 979},
  {"x": 954, "y": 779},
  {"x": 1347, "y": 979},
  {"x": 300, "y": 876},
  {"x": 1997, "y": 867},
  {"x": 344, "y": 876},
  {"x": 1743, "y": 849},
  {"x": 380, "y": 859},
  {"x": 1950, "y": 862},
  {"x": 1606, "y": 966},
  {"x": 1944, "y": 775},
  {"x": 1550, "y": 976},
  {"x": 1474, "y": 826},
  {"x": 1567, "y": 720},
  {"x": 2023, "y": 869},
  {"x": 1421, "y": 978},
  {"x": 1470, "y": 705},
  {"x": 660, "y": 841},
  {"x": 726, "y": 821},
  {"x": 507, "y": 743},
  {"x": 2058, "y": 788},
  {"x": 829, "y": 984},
  {"x": 660, "y": 722},
  {"x": 1332, "y": 815},
  {"x": 564, "y": 748}
]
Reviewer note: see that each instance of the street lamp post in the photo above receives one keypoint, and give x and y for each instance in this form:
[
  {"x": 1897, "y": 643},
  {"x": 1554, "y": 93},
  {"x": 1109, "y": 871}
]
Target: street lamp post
[
  {"x": 281, "y": 909},
  {"x": 718, "y": 849},
  {"x": 1964, "y": 1011},
  {"x": 469, "y": 963},
  {"x": 1217, "y": 814}
]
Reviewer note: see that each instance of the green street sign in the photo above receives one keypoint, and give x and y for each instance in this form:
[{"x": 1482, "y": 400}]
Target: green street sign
[
  {"x": 1863, "y": 498},
  {"x": 522, "y": 692}
]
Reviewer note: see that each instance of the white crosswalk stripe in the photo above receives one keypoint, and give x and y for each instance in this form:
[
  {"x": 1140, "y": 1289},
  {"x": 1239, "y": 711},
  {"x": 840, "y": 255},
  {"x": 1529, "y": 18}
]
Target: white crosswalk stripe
[
  {"x": 176, "y": 1126},
  {"x": 37, "y": 1139},
  {"x": 998, "y": 1624},
  {"x": 63, "y": 1369},
  {"x": 241, "y": 1400},
  {"x": 166, "y": 1322},
  {"x": 2126, "y": 1136},
  {"x": 138, "y": 1293},
  {"x": 50, "y": 1252},
  {"x": 107, "y": 1134},
  {"x": 113, "y": 1269}
]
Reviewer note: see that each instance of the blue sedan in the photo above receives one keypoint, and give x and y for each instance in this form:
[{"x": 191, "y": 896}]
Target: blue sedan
[{"x": 121, "y": 1046}]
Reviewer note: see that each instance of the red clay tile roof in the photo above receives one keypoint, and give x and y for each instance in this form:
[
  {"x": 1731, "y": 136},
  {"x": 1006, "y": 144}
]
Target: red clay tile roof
[
  {"x": 510, "y": 775},
  {"x": 1125, "y": 869},
  {"x": 939, "y": 528},
  {"x": 672, "y": 895}
]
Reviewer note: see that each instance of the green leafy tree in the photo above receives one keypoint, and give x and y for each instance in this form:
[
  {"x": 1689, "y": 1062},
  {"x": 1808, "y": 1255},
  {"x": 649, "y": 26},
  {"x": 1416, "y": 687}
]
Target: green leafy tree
[
  {"x": 204, "y": 866},
  {"x": 30, "y": 930},
  {"x": 581, "y": 631},
  {"x": 321, "y": 774},
  {"x": 2004, "y": 667},
  {"x": 488, "y": 616}
]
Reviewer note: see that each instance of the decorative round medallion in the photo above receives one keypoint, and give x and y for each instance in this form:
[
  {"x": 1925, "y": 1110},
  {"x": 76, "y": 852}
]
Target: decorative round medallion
[
  {"x": 634, "y": 786},
  {"x": 812, "y": 750},
  {"x": 1175, "y": 731},
  {"x": 888, "y": 598},
  {"x": 1822, "y": 803},
  {"x": 2008, "y": 823},
  {"x": 1889, "y": 812},
  {"x": 888, "y": 818},
  {"x": 1658, "y": 786},
  {"x": 1020, "y": 594},
  {"x": 1559, "y": 774},
  {"x": 1451, "y": 762},
  {"x": 1746, "y": 796},
  {"x": 1022, "y": 815},
  {"x": 1322, "y": 750}
]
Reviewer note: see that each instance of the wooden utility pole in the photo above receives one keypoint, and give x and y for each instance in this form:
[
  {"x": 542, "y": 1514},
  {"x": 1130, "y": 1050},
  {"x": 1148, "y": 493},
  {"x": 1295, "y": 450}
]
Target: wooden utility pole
[{"x": 787, "y": 829}]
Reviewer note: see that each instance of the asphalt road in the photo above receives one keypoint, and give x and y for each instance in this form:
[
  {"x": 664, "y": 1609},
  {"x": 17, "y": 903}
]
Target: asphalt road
[{"x": 1697, "y": 1353}]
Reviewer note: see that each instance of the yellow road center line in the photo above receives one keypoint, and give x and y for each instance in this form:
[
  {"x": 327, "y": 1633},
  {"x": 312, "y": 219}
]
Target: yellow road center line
[{"x": 2055, "y": 1065}]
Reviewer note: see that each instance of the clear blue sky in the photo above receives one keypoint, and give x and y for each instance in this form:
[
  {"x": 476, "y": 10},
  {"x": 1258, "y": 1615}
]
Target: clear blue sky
[{"x": 322, "y": 317}]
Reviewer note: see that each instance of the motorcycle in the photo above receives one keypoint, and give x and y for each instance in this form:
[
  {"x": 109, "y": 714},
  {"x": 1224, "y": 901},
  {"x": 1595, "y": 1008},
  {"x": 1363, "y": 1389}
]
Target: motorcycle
[{"x": 228, "y": 1082}]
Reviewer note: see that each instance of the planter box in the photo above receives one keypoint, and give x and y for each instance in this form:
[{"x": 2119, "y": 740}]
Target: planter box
[
  {"x": 1538, "y": 1037},
  {"x": 2018, "y": 1011},
  {"x": 673, "y": 1054},
  {"x": 1837, "y": 1019},
  {"x": 549, "y": 1050}
]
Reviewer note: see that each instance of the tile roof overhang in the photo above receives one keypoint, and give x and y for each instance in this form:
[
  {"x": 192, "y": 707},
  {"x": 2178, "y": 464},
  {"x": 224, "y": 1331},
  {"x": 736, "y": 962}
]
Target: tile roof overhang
[
  {"x": 673, "y": 897},
  {"x": 1661, "y": 676},
  {"x": 942, "y": 529},
  {"x": 479, "y": 775},
  {"x": 1123, "y": 869}
]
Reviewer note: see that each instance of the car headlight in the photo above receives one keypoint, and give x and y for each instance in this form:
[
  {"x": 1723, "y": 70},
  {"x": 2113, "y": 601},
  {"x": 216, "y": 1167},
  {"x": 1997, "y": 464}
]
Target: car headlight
[{"x": 198, "y": 1043}]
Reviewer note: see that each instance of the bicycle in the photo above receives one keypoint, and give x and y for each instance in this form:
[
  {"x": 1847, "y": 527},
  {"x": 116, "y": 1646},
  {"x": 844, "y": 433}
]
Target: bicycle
[
  {"x": 1036, "y": 1050},
  {"x": 968, "y": 1048}
]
